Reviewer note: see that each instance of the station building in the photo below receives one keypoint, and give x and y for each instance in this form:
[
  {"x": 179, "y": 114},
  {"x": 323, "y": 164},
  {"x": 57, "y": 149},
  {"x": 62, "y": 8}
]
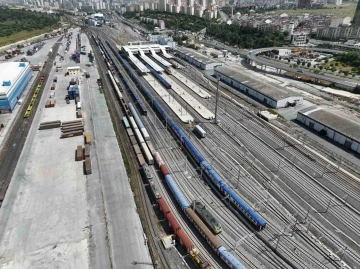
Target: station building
[
  {"x": 268, "y": 93},
  {"x": 340, "y": 129},
  {"x": 198, "y": 59},
  {"x": 14, "y": 78}
]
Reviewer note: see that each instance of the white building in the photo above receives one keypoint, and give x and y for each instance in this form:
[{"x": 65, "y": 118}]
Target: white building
[
  {"x": 161, "y": 24},
  {"x": 298, "y": 39},
  {"x": 267, "y": 93},
  {"x": 198, "y": 59},
  {"x": 162, "y": 5},
  {"x": 333, "y": 125}
]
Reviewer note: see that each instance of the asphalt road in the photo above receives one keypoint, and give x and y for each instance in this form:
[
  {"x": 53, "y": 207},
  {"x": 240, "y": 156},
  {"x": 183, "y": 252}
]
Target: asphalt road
[{"x": 14, "y": 144}]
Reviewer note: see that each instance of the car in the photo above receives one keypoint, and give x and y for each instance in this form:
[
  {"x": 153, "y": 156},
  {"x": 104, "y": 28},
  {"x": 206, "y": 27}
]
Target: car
[{"x": 300, "y": 71}]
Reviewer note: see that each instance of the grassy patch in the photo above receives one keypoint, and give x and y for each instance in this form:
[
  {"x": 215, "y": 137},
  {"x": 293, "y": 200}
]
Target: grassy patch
[
  {"x": 22, "y": 36},
  {"x": 344, "y": 11}
]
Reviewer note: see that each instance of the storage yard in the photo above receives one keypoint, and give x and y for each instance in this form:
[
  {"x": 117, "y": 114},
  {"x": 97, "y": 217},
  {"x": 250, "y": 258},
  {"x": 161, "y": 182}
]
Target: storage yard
[{"x": 141, "y": 149}]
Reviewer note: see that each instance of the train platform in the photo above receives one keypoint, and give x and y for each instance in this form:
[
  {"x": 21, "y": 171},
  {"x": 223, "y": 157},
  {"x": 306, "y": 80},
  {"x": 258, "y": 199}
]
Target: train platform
[
  {"x": 138, "y": 63},
  {"x": 151, "y": 62},
  {"x": 191, "y": 85},
  {"x": 166, "y": 55},
  {"x": 191, "y": 101},
  {"x": 160, "y": 59},
  {"x": 179, "y": 111}
]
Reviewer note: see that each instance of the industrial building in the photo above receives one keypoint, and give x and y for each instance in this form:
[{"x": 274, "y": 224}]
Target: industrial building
[
  {"x": 338, "y": 128},
  {"x": 14, "y": 78},
  {"x": 268, "y": 93},
  {"x": 198, "y": 59}
]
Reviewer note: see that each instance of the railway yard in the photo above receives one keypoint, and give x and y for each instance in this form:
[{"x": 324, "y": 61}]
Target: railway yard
[{"x": 232, "y": 190}]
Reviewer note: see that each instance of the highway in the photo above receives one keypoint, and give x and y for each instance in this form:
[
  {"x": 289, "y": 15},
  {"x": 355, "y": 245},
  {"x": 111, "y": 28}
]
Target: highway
[{"x": 252, "y": 55}]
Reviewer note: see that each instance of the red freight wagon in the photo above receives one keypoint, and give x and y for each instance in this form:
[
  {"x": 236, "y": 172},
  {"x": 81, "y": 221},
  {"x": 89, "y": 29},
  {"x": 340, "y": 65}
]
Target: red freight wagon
[{"x": 163, "y": 206}]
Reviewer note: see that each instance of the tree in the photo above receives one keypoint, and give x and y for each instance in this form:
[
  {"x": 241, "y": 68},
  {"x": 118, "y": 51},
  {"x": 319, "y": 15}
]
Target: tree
[
  {"x": 298, "y": 62},
  {"x": 288, "y": 60},
  {"x": 357, "y": 89},
  {"x": 303, "y": 63},
  {"x": 309, "y": 64},
  {"x": 321, "y": 67},
  {"x": 326, "y": 61}
]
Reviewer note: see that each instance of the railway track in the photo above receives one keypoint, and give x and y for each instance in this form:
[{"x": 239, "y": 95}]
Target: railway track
[
  {"x": 156, "y": 250},
  {"x": 233, "y": 185},
  {"x": 14, "y": 143}
]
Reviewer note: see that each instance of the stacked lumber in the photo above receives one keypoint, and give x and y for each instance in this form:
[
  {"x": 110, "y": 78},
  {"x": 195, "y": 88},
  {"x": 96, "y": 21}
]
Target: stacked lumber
[{"x": 49, "y": 125}]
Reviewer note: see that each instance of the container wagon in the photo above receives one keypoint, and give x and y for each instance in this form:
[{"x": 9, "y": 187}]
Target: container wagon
[
  {"x": 147, "y": 153},
  {"x": 126, "y": 122}
]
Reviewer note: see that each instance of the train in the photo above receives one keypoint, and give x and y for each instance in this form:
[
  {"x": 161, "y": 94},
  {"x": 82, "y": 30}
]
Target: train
[
  {"x": 141, "y": 141},
  {"x": 216, "y": 181},
  {"x": 207, "y": 216},
  {"x": 198, "y": 223},
  {"x": 212, "y": 239},
  {"x": 110, "y": 62},
  {"x": 162, "y": 80},
  {"x": 139, "y": 122}
]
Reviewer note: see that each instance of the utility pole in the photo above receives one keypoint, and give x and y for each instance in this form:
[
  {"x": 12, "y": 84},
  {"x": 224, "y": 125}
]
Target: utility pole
[{"x": 217, "y": 99}]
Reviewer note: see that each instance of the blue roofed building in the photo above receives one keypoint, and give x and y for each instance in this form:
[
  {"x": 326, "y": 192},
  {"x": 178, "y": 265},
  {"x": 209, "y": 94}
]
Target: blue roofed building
[{"x": 14, "y": 78}]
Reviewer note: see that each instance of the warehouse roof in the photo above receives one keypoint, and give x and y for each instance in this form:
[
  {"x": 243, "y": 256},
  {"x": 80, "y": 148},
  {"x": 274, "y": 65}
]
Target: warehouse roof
[
  {"x": 269, "y": 89},
  {"x": 342, "y": 124},
  {"x": 9, "y": 74},
  {"x": 197, "y": 56}
]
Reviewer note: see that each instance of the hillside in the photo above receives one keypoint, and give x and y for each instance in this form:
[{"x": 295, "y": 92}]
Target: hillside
[{"x": 18, "y": 24}]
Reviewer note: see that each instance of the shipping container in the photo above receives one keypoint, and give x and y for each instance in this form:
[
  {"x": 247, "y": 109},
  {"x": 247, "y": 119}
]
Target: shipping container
[
  {"x": 79, "y": 153},
  {"x": 130, "y": 132},
  {"x": 133, "y": 140},
  {"x": 200, "y": 131},
  {"x": 137, "y": 149},
  {"x": 78, "y": 106},
  {"x": 141, "y": 159},
  {"x": 126, "y": 122},
  {"x": 47, "y": 104},
  {"x": 133, "y": 123},
  {"x": 145, "y": 134},
  {"x": 87, "y": 150},
  {"x": 147, "y": 154},
  {"x": 87, "y": 163},
  {"x": 151, "y": 147},
  {"x": 88, "y": 138},
  {"x": 79, "y": 114},
  {"x": 139, "y": 136}
]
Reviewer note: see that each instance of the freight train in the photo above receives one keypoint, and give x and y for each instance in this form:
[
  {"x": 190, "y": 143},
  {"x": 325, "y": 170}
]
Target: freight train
[
  {"x": 212, "y": 240},
  {"x": 216, "y": 181}
]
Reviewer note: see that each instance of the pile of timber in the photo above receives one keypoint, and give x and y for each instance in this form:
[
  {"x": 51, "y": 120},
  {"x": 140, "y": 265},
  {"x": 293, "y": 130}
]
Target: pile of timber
[
  {"x": 49, "y": 125},
  {"x": 72, "y": 128}
]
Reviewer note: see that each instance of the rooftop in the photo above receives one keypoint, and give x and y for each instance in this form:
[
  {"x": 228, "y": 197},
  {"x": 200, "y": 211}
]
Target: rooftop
[
  {"x": 269, "y": 89},
  {"x": 197, "y": 56},
  {"x": 335, "y": 120},
  {"x": 10, "y": 71}
]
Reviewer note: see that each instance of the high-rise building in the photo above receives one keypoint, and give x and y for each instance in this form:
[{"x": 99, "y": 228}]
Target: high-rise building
[
  {"x": 356, "y": 20},
  {"x": 303, "y": 3}
]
